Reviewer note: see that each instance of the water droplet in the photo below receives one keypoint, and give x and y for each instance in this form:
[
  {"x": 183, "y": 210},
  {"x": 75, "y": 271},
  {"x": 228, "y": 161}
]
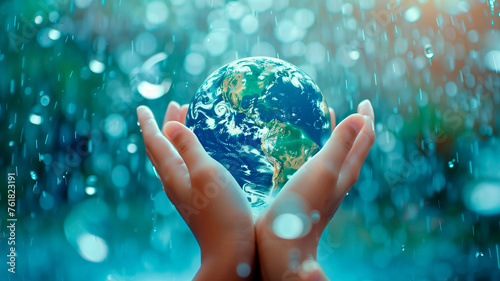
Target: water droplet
[
  {"x": 132, "y": 148},
  {"x": 45, "y": 100},
  {"x": 90, "y": 190},
  {"x": 479, "y": 254},
  {"x": 54, "y": 34},
  {"x": 429, "y": 53},
  {"x": 97, "y": 66},
  {"x": 36, "y": 119},
  {"x": 288, "y": 226},
  {"x": 92, "y": 248},
  {"x": 315, "y": 216},
  {"x": 46, "y": 201},
  {"x": 34, "y": 175},
  {"x": 120, "y": 176},
  {"x": 11, "y": 143},
  {"x": 150, "y": 80},
  {"x": 38, "y": 19},
  {"x": 450, "y": 164},
  {"x": 243, "y": 269},
  {"x": 412, "y": 14}
]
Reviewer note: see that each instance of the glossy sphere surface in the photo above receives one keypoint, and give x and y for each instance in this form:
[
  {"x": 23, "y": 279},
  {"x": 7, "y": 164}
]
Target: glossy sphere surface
[{"x": 262, "y": 118}]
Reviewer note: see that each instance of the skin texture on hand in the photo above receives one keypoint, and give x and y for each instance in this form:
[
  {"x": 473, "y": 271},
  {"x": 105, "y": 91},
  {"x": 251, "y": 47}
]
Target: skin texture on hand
[
  {"x": 204, "y": 193},
  {"x": 217, "y": 212},
  {"x": 312, "y": 196}
]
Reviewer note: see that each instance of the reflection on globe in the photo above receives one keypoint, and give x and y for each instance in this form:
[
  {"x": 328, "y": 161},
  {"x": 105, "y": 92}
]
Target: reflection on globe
[{"x": 262, "y": 118}]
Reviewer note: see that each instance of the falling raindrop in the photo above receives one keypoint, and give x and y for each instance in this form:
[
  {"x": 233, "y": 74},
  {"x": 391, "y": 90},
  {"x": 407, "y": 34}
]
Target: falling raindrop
[
  {"x": 429, "y": 53},
  {"x": 491, "y": 3},
  {"x": 315, "y": 216},
  {"x": 451, "y": 164},
  {"x": 34, "y": 175}
]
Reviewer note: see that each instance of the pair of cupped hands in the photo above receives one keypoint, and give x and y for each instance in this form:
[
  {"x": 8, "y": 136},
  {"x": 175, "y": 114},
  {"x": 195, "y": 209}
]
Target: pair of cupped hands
[{"x": 233, "y": 245}]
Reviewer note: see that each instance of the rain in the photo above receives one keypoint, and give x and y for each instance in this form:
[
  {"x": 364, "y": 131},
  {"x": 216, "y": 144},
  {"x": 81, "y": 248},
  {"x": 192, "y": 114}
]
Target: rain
[{"x": 88, "y": 202}]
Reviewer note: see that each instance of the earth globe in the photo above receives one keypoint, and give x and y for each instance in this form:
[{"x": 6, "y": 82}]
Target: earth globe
[{"x": 262, "y": 119}]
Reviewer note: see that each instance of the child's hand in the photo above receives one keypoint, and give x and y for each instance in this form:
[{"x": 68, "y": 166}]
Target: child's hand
[
  {"x": 287, "y": 244},
  {"x": 205, "y": 194}
]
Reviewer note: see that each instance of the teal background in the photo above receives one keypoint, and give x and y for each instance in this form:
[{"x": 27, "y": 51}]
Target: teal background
[{"x": 89, "y": 206}]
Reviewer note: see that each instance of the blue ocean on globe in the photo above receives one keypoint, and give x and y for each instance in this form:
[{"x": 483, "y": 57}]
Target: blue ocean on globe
[{"x": 261, "y": 118}]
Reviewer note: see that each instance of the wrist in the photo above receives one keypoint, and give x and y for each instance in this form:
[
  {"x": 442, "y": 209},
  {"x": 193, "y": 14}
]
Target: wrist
[
  {"x": 228, "y": 260},
  {"x": 224, "y": 269}
]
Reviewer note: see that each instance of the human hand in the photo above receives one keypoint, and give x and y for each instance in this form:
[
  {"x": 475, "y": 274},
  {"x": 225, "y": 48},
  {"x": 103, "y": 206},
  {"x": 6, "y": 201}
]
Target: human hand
[
  {"x": 288, "y": 232},
  {"x": 205, "y": 194}
]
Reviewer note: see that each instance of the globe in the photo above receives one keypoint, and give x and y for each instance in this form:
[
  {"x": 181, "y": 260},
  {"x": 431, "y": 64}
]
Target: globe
[{"x": 261, "y": 118}]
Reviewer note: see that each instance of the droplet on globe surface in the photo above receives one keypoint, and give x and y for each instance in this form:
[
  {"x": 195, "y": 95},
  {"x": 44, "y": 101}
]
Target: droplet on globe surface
[{"x": 261, "y": 118}]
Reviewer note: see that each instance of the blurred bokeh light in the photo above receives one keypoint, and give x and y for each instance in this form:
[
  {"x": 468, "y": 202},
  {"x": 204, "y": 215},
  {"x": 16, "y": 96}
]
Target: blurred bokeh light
[{"x": 90, "y": 207}]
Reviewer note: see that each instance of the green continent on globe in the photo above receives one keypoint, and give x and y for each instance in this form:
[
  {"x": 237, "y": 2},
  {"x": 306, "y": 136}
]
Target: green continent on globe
[
  {"x": 287, "y": 148},
  {"x": 262, "y": 118}
]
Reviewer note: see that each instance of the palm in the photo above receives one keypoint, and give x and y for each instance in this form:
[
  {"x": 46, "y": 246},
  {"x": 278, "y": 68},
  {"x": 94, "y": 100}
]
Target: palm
[
  {"x": 311, "y": 197},
  {"x": 203, "y": 191}
]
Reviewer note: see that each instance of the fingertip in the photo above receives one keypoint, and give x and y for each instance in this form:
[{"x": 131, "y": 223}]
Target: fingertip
[
  {"x": 311, "y": 270},
  {"x": 174, "y": 104},
  {"x": 172, "y": 129},
  {"x": 144, "y": 114},
  {"x": 141, "y": 109},
  {"x": 370, "y": 124},
  {"x": 183, "y": 112},
  {"x": 365, "y": 107},
  {"x": 356, "y": 122}
]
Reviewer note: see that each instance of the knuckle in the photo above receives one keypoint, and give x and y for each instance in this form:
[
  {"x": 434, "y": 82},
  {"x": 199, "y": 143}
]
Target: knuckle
[
  {"x": 347, "y": 143},
  {"x": 204, "y": 174},
  {"x": 182, "y": 146}
]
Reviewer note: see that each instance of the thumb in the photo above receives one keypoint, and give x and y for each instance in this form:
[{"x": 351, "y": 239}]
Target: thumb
[
  {"x": 311, "y": 271},
  {"x": 186, "y": 143}
]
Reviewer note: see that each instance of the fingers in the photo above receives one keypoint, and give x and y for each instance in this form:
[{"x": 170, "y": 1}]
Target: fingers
[
  {"x": 332, "y": 118},
  {"x": 183, "y": 113},
  {"x": 163, "y": 155},
  {"x": 321, "y": 173},
  {"x": 352, "y": 166},
  {"x": 312, "y": 271},
  {"x": 172, "y": 113},
  {"x": 187, "y": 144},
  {"x": 365, "y": 108},
  {"x": 340, "y": 143}
]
